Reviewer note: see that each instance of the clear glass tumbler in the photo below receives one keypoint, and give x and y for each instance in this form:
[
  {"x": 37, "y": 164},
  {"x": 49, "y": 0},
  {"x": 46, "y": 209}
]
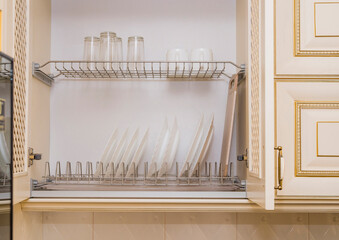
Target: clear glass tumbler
[
  {"x": 117, "y": 52},
  {"x": 106, "y": 46},
  {"x": 135, "y": 52},
  {"x": 91, "y": 52},
  {"x": 91, "y": 48}
]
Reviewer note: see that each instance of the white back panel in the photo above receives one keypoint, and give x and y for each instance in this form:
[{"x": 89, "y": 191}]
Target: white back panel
[
  {"x": 163, "y": 24},
  {"x": 84, "y": 113}
]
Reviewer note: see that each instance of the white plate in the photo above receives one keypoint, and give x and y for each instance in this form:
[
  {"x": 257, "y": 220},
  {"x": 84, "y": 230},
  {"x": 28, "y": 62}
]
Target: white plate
[
  {"x": 117, "y": 155},
  {"x": 171, "y": 150},
  {"x": 108, "y": 151},
  {"x": 127, "y": 157},
  {"x": 159, "y": 150},
  {"x": 203, "y": 148},
  {"x": 138, "y": 154},
  {"x": 194, "y": 146},
  {"x": 228, "y": 127}
]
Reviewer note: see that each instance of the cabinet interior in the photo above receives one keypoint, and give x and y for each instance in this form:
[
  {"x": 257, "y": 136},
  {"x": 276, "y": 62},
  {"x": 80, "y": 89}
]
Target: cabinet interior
[{"x": 85, "y": 112}]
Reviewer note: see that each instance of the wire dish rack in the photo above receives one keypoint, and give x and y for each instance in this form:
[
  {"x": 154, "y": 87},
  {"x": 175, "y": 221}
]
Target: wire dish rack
[
  {"x": 135, "y": 70},
  {"x": 206, "y": 176},
  {"x": 6, "y": 71}
]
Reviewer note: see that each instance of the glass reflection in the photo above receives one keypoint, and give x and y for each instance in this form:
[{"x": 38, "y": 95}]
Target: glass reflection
[{"x": 6, "y": 76}]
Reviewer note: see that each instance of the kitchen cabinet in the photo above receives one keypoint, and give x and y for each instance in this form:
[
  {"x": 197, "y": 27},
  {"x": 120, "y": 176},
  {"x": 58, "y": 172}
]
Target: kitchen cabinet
[
  {"x": 286, "y": 69},
  {"x": 306, "y": 97},
  {"x": 51, "y": 31}
]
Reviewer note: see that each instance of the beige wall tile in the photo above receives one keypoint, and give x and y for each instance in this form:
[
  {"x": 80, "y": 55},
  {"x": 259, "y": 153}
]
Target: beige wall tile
[
  {"x": 129, "y": 226},
  {"x": 200, "y": 226},
  {"x": 254, "y": 226},
  {"x": 323, "y": 226},
  {"x": 67, "y": 226}
]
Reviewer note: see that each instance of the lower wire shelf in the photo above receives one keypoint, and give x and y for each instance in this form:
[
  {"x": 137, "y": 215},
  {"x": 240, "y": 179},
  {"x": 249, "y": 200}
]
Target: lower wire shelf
[{"x": 206, "y": 182}]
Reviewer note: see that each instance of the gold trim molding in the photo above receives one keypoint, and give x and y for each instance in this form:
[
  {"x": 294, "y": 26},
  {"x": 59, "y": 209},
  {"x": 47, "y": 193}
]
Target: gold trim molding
[
  {"x": 300, "y": 105},
  {"x": 298, "y": 52}
]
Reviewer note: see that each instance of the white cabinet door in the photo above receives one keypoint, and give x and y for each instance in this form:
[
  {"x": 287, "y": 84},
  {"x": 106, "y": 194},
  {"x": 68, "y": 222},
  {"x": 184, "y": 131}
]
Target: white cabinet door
[
  {"x": 260, "y": 179},
  {"x": 307, "y": 121}
]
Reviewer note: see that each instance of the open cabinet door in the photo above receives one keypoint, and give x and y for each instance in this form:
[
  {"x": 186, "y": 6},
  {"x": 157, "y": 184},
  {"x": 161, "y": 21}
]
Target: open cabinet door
[
  {"x": 260, "y": 176},
  {"x": 32, "y": 24},
  {"x": 21, "y": 180}
]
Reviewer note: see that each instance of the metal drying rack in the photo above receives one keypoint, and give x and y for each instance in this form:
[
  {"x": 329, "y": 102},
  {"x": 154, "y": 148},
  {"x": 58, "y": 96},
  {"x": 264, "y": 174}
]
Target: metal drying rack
[
  {"x": 188, "y": 70},
  {"x": 207, "y": 174}
]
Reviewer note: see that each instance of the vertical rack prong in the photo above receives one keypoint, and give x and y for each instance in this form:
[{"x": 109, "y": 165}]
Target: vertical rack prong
[
  {"x": 210, "y": 171},
  {"x": 113, "y": 172},
  {"x": 145, "y": 171},
  {"x": 155, "y": 173},
  {"x": 134, "y": 172},
  {"x": 47, "y": 171},
  {"x": 68, "y": 170},
  {"x": 188, "y": 173},
  {"x": 220, "y": 172},
  {"x": 101, "y": 171},
  {"x": 206, "y": 169},
  {"x": 123, "y": 173},
  {"x": 231, "y": 172},
  {"x": 57, "y": 171},
  {"x": 166, "y": 169},
  {"x": 137, "y": 172},
  {"x": 177, "y": 171},
  {"x": 199, "y": 173},
  {"x": 78, "y": 170},
  {"x": 215, "y": 169}
]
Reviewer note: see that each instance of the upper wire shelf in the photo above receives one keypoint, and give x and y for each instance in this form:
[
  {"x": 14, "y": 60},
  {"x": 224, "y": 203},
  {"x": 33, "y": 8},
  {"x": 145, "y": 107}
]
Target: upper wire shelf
[{"x": 187, "y": 70}]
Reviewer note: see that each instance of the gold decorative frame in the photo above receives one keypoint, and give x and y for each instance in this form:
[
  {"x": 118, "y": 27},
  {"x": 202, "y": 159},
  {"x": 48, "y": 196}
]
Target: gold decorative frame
[
  {"x": 299, "y": 105},
  {"x": 298, "y": 52},
  {"x": 318, "y": 155}
]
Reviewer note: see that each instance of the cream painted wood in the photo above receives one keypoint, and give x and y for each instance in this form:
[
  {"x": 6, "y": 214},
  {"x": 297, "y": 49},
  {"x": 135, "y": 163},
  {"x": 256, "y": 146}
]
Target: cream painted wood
[
  {"x": 286, "y": 63},
  {"x": 260, "y": 184},
  {"x": 316, "y": 16},
  {"x": 325, "y": 13},
  {"x": 26, "y": 226},
  {"x": 287, "y": 93},
  {"x": 327, "y": 141},
  {"x": 39, "y": 93},
  {"x": 7, "y": 27}
]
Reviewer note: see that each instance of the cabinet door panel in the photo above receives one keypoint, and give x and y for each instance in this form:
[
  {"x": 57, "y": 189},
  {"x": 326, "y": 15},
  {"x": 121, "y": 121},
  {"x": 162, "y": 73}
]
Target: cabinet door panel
[
  {"x": 260, "y": 178},
  {"x": 307, "y": 121},
  {"x": 306, "y": 40}
]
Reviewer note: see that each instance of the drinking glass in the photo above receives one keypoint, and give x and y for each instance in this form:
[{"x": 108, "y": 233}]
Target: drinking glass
[
  {"x": 117, "y": 52},
  {"x": 91, "y": 51},
  {"x": 106, "y": 47},
  {"x": 135, "y": 52},
  {"x": 91, "y": 48}
]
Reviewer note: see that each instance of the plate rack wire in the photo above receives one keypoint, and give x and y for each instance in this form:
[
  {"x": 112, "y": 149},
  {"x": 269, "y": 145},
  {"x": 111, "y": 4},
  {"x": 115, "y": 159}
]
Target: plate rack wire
[{"x": 135, "y": 70}]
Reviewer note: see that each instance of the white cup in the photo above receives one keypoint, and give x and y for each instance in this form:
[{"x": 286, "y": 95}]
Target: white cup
[
  {"x": 202, "y": 55},
  {"x": 177, "y": 55}
]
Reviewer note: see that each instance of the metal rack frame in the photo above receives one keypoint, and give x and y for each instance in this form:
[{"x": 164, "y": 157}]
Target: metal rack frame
[
  {"x": 123, "y": 70},
  {"x": 207, "y": 174}
]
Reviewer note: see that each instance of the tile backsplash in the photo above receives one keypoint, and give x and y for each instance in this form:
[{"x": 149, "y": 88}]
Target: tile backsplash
[{"x": 197, "y": 226}]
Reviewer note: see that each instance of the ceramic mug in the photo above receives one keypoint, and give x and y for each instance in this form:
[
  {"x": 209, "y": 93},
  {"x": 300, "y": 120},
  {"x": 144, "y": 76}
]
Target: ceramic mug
[
  {"x": 202, "y": 55},
  {"x": 177, "y": 55}
]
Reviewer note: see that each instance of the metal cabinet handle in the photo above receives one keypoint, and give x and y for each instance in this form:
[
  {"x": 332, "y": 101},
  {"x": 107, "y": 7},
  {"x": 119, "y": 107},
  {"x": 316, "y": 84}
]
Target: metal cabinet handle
[{"x": 281, "y": 168}]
